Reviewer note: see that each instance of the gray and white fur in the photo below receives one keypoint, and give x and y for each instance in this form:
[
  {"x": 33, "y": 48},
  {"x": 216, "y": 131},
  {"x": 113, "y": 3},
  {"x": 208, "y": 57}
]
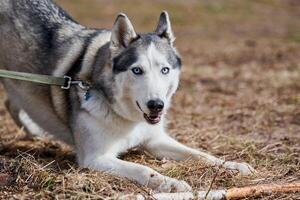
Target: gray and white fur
[{"x": 133, "y": 77}]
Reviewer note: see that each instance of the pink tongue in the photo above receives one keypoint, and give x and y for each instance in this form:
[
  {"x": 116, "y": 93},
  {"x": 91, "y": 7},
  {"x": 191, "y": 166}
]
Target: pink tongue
[{"x": 154, "y": 117}]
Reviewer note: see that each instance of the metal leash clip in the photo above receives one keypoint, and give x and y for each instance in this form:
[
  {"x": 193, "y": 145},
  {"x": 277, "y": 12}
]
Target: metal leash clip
[{"x": 69, "y": 83}]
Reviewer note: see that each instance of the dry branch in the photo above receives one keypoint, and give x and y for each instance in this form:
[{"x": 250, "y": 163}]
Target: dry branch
[
  {"x": 256, "y": 190},
  {"x": 232, "y": 193}
]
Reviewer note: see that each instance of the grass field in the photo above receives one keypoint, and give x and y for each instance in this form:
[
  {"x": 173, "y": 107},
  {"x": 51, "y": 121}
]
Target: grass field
[{"x": 239, "y": 99}]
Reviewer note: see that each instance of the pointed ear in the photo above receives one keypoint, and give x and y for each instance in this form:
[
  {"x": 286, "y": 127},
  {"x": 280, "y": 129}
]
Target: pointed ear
[
  {"x": 164, "y": 29},
  {"x": 122, "y": 33}
]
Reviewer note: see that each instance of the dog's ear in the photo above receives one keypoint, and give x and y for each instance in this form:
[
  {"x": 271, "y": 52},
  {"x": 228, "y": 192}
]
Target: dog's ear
[
  {"x": 122, "y": 33},
  {"x": 164, "y": 29}
]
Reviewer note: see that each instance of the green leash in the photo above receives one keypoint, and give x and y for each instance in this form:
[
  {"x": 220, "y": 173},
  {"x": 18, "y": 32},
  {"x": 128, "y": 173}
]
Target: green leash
[{"x": 65, "y": 83}]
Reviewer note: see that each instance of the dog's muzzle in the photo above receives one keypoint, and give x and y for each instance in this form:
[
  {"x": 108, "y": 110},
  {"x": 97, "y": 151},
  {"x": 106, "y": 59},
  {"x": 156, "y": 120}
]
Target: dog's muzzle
[{"x": 153, "y": 117}]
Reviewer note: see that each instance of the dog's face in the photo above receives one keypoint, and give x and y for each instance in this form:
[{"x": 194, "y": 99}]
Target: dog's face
[{"x": 146, "y": 70}]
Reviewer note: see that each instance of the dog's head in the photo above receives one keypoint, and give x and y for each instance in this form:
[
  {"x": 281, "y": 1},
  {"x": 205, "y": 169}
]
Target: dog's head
[{"x": 146, "y": 69}]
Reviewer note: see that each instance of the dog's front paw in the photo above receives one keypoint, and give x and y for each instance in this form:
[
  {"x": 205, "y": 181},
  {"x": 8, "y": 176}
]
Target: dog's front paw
[
  {"x": 161, "y": 183},
  {"x": 242, "y": 168},
  {"x": 173, "y": 185}
]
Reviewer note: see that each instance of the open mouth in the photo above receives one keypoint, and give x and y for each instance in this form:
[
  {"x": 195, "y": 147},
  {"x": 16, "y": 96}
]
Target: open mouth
[{"x": 152, "y": 118}]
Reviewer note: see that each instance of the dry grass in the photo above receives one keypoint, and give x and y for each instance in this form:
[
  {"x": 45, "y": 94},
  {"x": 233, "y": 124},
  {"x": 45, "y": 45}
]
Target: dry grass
[{"x": 239, "y": 99}]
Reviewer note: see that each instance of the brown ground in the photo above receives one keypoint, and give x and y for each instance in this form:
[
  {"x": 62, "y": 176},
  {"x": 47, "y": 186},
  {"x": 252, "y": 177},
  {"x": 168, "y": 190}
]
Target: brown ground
[{"x": 239, "y": 99}]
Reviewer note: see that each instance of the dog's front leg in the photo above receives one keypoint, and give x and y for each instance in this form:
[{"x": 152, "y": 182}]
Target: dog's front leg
[
  {"x": 98, "y": 147},
  {"x": 163, "y": 146},
  {"x": 139, "y": 173}
]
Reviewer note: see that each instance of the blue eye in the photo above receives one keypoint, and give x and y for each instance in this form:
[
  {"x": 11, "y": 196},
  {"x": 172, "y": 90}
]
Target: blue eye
[
  {"x": 137, "y": 71},
  {"x": 165, "y": 70}
]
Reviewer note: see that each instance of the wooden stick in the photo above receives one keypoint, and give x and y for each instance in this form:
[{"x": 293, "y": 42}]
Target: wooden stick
[
  {"x": 257, "y": 190},
  {"x": 232, "y": 193}
]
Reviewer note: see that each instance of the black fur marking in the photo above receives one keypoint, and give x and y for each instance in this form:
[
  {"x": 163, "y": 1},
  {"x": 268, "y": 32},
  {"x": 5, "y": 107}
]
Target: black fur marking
[
  {"x": 177, "y": 63},
  {"x": 135, "y": 39},
  {"x": 123, "y": 61},
  {"x": 76, "y": 68},
  {"x": 48, "y": 35},
  {"x": 100, "y": 84},
  {"x": 77, "y": 65}
]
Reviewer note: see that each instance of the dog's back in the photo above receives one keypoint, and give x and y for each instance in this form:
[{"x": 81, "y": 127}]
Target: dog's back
[
  {"x": 30, "y": 42},
  {"x": 29, "y": 33}
]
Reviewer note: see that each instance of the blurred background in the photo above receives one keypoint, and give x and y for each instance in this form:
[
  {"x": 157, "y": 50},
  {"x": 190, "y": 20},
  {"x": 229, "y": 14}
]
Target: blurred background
[{"x": 239, "y": 98}]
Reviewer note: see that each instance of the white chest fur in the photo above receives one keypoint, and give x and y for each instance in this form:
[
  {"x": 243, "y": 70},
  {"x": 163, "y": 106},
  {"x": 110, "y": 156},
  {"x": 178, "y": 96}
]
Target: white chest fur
[{"x": 99, "y": 131}]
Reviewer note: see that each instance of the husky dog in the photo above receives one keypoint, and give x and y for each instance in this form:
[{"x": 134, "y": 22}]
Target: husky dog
[{"x": 133, "y": 78}]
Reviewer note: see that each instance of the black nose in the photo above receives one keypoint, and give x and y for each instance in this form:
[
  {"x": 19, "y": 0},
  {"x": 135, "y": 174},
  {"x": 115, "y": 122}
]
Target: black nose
[{"x": 155, "y": 105}]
